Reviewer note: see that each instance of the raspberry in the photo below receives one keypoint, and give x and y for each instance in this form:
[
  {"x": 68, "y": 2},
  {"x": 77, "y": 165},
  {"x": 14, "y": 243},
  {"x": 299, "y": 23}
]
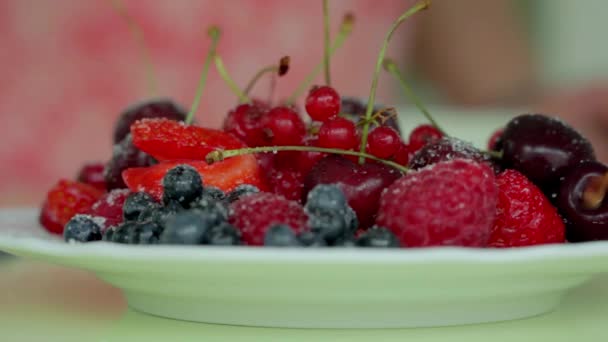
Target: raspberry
[
  {"x": 524, "y": 216},
  {"x": 256, "y": 213},
  {"x": 64, "y": 200},
  {"x": 288, "y": 183},
  {"x": 449, "y": 203},
  {"x": 109, "y": 208}
]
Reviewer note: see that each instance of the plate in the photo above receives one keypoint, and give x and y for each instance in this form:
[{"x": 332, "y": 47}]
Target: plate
[{"x": 321, "y": 288}]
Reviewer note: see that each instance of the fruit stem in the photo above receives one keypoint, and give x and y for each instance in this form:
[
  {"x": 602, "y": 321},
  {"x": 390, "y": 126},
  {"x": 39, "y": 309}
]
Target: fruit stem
[
  {"x": 327, "y": 42},
  {"x": 221, "y": 69},
  {"x": 280, "y": 69},
  {"x": 214, "y": 33},
  {"x": 345, "y": 29},
  {"x": 391, "y": 67},
  {"x": 372, "y": 94},
  {"x": 595, "y": 192},
  {"x": 495, "y": 154},
  {"x": 219, "y": 155},
  {"x": 138, "y": 36}
]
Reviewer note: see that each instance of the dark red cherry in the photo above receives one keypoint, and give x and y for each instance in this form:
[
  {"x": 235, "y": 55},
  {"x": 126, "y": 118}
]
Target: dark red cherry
[
  {"x": 541, "y": 147},
  {"x": 245, "y": 122},
  {"x": 93, "y": 174},
  {"x": 124, "y": 155},
  {"x": 361, "y": 184},
  {"x": 161, "y": 108},
  {"x": 581, "y": 200},
  {"x": 445, "y": 149},
  {"x": 354, "y": 110}
]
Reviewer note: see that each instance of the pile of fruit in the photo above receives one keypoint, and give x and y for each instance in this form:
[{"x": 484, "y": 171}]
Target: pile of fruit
[{"x": 344, "y": 176}]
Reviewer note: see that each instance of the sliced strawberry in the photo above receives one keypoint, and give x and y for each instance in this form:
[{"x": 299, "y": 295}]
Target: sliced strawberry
[
  {"x": 171, "y": 140},
  {"x": 224, "y": 175},
  {"x": 66, "y": 199}
]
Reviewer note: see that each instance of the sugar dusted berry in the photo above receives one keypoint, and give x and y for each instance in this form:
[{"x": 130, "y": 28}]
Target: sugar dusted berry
[
  {"x": 152, "y": 109},
  {"x": 82, "y": 228},
  {"x": 378, "y": 237},
  {"x": 245, "y": 122},
  {"x": 182, "y": 184},
  {"x": 281, "y": 235},
  {"x": 93, "y": 175},
  {"x": 423, "y": 135},
  {"x": 136, "y": 204}
]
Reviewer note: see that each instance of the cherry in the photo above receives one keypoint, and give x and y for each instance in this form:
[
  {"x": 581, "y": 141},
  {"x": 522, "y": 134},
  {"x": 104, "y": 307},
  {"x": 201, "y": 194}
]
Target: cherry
[
  {"x": 581, "y": 200},
  {"x": 93, "y": 174},
  {"x": 301, "y": 161},
  {"x": 540, "y": 147},
  {"x": 384, "y": 142},
  {"x": 403, "y": 154},
  {"x": 445, "y": 149},
  {"x": 283, "y": 126},
  {"x": 495, "y": 141},
  {"x": 338, "y": 133},
  {"x": 245, "y": 122},
  {"x": 423, "y": 135},
  {"x": 150, "y": 109},
  {"x": 323, "y": 103},
  {"x": 124, "y": 156},
  {"x": 361, "y": 184}
]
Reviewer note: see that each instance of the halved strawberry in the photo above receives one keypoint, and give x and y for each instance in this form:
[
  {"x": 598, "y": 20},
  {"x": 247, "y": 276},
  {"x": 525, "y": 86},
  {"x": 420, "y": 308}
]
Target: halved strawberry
[
  {"x": 225, "y": 175},
  {"x": 66, "y": 199},
  {"x": 171, "y": 140}
]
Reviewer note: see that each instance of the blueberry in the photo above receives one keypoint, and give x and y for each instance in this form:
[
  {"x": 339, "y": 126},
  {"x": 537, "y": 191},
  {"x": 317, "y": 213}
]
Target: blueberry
[
  {"x": 146, "y": 233},
  {"x": 378, "y": 237},
  {"x": 207, "y": 204},
  {"x": 123, "y": 233},
  {"x": 224, "y": 234},
  {"x": 240, "y": 191},
  {"x": 347, "y": 241},
  {"x": 182, "y": 184},
  {"x": 331, "y": 226},
  {"x": 281, "y": 235},
  {"x": 311, "y": 239},
  {"x": 325, "y": 197},
  {"x": 107, "y": 235},
  {"x": 188, "y": 227},
  {"x": 82, "y": 228},
  {"x": 136, "y": 203},
  {"x": 213, "y": 193},
  {"x": 160, "y": 214}
]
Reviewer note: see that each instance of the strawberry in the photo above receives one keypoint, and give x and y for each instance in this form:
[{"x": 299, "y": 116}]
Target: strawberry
[
  {"x": 225, "y": 175},
  {"x": 171, "y": 140},
  {"x": 66, "y": 199},
  {"x": 524, "y": 216}
]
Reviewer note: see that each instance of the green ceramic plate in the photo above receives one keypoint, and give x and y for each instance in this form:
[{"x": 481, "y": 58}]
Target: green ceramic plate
[{"x": 321, "y": 288}]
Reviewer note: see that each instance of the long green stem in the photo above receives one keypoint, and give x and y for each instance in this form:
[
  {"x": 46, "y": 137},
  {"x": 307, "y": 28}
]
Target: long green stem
[
  {"x": 214, "y": 33},
  {"x": 218, "y": 155},
  {"x": 372, "y": 95},
  {"x": 345, "y": 30},
  {"x": 327, "y": 42},
  {"x": 280, "y": 69},
  {"x": 391, "y": 67},
  {"x": 221, "y": 69},
  {"x": 138, "y": 36}
]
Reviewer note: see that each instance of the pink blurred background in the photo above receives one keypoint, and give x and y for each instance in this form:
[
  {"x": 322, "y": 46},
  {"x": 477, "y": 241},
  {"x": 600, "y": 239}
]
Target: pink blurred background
[{"x": 69, "y": 67}]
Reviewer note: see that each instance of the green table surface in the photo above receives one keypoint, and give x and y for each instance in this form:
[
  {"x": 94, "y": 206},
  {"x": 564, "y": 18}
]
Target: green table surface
[{"x": 41, "y": 302}]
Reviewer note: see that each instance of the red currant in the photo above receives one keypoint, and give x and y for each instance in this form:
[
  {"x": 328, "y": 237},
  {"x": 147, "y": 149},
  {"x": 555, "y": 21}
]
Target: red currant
[
  {"x": 323, "y": 103},
  {"x": 402, "y": 157},
  {"x": 338, "y": 133},
  {"x": 282, "y": 126},
  {"x": 245, "y": 123},
  {"x": 422, "y": 135},
  {"x": 383, "y": 142}
]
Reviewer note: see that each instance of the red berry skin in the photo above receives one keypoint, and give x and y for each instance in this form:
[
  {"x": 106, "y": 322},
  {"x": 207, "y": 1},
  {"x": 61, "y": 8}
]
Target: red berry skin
[
  {"x": 451, "y": 203},
  {"x": 494, "y": 141},
  {"x": 422, "y": 135},
  {"x": 301, "y": 161},
  {"x": 254, "y": 214},
  {"x": 338, "y": 133},
  {"x": 66, "y": 199},
  {"x": 288, "y": 183},
  {"x": 283, "y": 127},
  {"x": 524, "y": 216},
  {"x": 109, "y": 208},
  {"x": 403, "y": 155},
  {"x": 171, "y": 140},
  {"x": 383, "y": 142},
  {"x": 245, "y": 123},
  {"x": 93, "y": 174},
  {"x": 225, "y": 175},
  {"x": 323, "y": 103}
]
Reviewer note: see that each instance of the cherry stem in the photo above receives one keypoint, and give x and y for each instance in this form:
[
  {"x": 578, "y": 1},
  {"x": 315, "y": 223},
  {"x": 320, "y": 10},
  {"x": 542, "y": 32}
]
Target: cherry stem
[
  {"x": 345, "y": 29},
  {"x": 218, "y": 155},
  {"x": 138, "y": 36},
  {"x": 372, "y": 94},
  {"x": 214, "y": 33},
  {"x": 327, "y": 42},
  {"x": 221, "y": 69},
  {"x": 281, "y": 69},
  {"x": 595, "y": 192},
  {"x": 391, "y": 67}
]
